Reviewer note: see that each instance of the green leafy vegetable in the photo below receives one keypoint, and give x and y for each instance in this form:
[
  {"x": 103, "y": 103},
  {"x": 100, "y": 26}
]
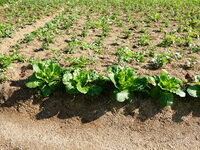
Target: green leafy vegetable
[
  {"x": 164, "y": 87},
  {"x": 194, "y": 89},
  {"x": 126, "y": 82},
  {"x": 81, "y": 81},
  {"x": 47, "y": 77}
]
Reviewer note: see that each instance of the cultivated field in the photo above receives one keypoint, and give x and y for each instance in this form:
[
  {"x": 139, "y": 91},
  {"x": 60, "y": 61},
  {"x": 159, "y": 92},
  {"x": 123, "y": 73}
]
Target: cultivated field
[{"x": 99, "y": 74}]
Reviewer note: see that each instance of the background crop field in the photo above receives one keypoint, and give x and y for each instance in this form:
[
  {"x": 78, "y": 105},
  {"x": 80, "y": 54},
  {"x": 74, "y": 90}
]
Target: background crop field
[{"x": 146, "y": 35}]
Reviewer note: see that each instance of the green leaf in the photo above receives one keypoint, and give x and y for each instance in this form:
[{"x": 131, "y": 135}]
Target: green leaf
[
  {"x": 123, "y": 96},
  {"x": 170, "y": 84},
  {"x": 95, "y": 90},
  {"x": 197, "y": 79},
  {"x": 194, "y": 90},
  {"x": 34, "y": 84},
  {"x": 47, "y": 76},
  {"x": 122, "y": 77},
  {"x": 180, "y": 92},
  {"x": 152, "y": 80},
  {"x": 36, "y": 67},
  {"x": 166, "y": 99},
  {"x": 155, "y": 92},
  {"x": 81, "y": 89},
  {"x": 67, "y": 77},
  {"x": 139, "y": 84},
  {"x": 46, "y": 91}
]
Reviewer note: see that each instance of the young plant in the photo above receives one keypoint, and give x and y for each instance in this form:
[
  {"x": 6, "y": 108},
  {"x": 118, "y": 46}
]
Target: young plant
[
  {"x": 151, "y": 52},
  {"x": 168, "y": 41},
  {"x": 188, "y": 42},
  {"x": 5, "y": 30},
  {"x": 144, "y": 40},
  {"x": 190, "y": 63},
  {"x": 124, "y": 54},
  {"x": 126, "y": 82},
  {"x": 194, "y": 89},
  {"x": 47, "y": 77},
  {"x": 164, "y": 88},
  {"x": 78, "y": 62},
  {"x": 153, "y": 18},
  {"x": 138, "y": 56},
  {"x": 195, "y": 49},
  {"x": 127, "y": 33},
  {"x": 159, "y": 60},
  {"x": 5, "y": 62},
  {"x": 82, "y": 81}
]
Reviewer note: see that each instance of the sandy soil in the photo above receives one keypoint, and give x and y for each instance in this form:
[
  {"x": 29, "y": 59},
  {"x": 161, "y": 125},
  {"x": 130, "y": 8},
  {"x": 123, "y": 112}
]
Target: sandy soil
[{"x": 112, "y": 131}]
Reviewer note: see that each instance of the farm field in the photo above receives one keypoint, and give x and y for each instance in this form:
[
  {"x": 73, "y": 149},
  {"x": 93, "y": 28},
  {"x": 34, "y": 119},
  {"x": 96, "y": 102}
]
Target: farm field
[{"x": 99, "y": 74}]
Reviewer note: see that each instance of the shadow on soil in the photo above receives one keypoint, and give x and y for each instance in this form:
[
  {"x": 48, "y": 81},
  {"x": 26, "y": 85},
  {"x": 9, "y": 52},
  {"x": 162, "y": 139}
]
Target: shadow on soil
[{"x": 88, "y": 109}]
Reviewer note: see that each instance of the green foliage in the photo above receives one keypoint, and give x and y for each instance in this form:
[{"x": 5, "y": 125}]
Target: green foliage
[
  {"x": 126, "y": 82},
  {"x": 159, "y": 60},
  {"x": 144, "y": 40},
  {"x": 168, "y": 41},
  {"x": 105, "y": 19},
  {"x": 164, "y": 86},
  {"x": 154, "y": 18},
  {"x": 195, "y": 49},
  {"x": 78, "y": 62},
  {"x": 138, "y": 56},
  {"x": 5, "y": 62},
  {"x": 47, "y": 77},
  {"x": 124, "y": 54},
  {"x": 194, "y": 89},
  {"x": 81, "y": 81},
  {"x": 5, "y": 30},
  {"x": 127, "y": 33}
]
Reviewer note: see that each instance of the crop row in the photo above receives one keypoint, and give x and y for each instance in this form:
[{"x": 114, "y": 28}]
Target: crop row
[
  {"x": 18, "y": 14},
  {"x": 49, "y": 76}
]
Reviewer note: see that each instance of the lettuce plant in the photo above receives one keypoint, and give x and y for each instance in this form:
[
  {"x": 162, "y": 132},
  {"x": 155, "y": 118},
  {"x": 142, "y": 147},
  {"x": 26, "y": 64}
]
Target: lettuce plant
[
  {"x": 82, "y": 81},
  {"x": 126, "y": 82},
  {"x": 165, "y": 87},
  {"x": 124, "y": 54},
  {"x": 194, "y": 89},
  {"x": 47, "y": 77}
]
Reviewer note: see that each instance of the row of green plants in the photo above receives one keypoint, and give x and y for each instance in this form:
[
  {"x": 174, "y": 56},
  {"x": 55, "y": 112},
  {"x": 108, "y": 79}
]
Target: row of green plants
[
  {"x": 124, "y": 82},
  {"x": 5, "y": 62}
]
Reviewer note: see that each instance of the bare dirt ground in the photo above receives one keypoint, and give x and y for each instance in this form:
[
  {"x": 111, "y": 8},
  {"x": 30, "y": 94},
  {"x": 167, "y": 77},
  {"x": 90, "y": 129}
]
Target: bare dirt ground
[{"x": 113, "y": 130}]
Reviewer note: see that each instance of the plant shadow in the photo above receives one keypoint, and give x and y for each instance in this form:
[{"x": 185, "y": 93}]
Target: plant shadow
[
  {"x": 65, "y": 106},
  {"x": 22, "y": 94},
  {"x": 184, "y": 107}
]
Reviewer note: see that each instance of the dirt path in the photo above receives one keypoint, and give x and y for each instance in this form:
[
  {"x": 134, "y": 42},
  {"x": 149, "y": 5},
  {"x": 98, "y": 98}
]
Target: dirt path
[
  {"x": 110, "y": 132},
  {"x": 8, "y": 42}
]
